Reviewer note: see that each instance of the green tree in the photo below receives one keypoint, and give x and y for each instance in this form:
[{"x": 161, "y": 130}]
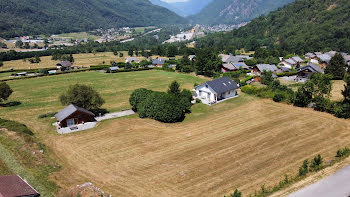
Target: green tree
[
  {"x": 115, "y": 52},
  {"x": 316, "y": 163},
  {"x": 131, "y": 52},
  {"x": 266, "y": 77},
  {"x": 322, "y": 85},
  {"x": 19, "y": 44},
  {"x": 138, "y": 96},
  {"x": 207, "y": 62},
  {"x": 174, "y": 88},
  {"x": 346, "y": 91},
  {"x": 121, "y": 54},
  {"x": 172, "y": 51},
  {"x": 5, "y": 91},
  {"x": 336, "y": 67},
  {"x": 1, "y": 63},
  {"x": 83, "y": 96},
  {"x": 304, "y": 95}
]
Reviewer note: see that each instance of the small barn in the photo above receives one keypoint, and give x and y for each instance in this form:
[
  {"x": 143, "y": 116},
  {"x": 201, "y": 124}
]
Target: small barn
[
  {"x": 74, "y": 115},
  {"x": 64, "y": 65},
  {"x": 260, "y": 68},
  {"x": 15, "y": 186}
]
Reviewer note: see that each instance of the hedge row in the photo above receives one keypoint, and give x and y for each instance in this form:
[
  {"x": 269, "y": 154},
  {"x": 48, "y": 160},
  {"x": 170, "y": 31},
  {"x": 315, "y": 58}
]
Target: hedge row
[{"x": 15, "y": 126}]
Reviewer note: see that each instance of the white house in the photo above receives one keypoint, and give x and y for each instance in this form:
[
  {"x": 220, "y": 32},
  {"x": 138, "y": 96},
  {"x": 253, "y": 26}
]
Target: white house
[{"x": 216, "y": 90}]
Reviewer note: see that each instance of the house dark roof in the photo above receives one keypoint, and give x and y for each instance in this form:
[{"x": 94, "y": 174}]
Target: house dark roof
[
  {"x": 158, "y": 61},
  {"x": 267, "y": 67},
  {"x": 324, "y": 58},
  {"x": 297, "y": 59},
  {"x": 222, "y": 85},
  {"x": 312, "y": 67},
  {"x": 66, "y": 112},
  {"x": 64, "y": 64},
  {"x": 284, "y": 69},
  {"x": 14, "y": 186}
]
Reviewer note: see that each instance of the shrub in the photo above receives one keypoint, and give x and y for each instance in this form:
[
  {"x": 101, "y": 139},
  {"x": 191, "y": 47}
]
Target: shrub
[
  {"x": 83, "y": 96},
  {"x": 236, "y": 193},
  {"x": 162, "y": 107},
  {"x": 304, "y": 169},
  {"x": 323, "y": 104},
  {"x": 343, "y": 152},
  {"x": 249, "y": 89},
  {"x": 138, "y": 96},
  {"x": 278, "y": 97},
  {"x": 198, "y": 100},
  {"x": 15, "y": 127},
  {"x": 316, "y": 163},
  {"x": 303, "y": 96}
]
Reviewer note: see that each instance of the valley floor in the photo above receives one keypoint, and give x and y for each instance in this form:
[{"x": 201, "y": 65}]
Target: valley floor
[{"x": 242, "y": 143}]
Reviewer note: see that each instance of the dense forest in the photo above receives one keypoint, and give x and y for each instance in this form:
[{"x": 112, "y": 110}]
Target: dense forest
[
  {"x": 35, "y": 17},
  {"x": 300, "y": 27},
  {"x": 236, "y": 11}
]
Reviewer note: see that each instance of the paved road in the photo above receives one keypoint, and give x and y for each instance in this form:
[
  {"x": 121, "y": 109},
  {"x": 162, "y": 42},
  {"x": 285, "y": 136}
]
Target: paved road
[{"x": 337, "y": 185}]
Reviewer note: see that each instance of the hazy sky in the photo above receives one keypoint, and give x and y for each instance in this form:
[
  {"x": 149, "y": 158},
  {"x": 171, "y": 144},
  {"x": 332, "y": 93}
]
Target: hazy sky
[{"x": 170, "y": 1}]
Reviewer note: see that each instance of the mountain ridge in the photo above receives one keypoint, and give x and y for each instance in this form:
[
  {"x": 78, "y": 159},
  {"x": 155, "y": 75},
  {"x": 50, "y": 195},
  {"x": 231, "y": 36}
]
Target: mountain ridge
[
  {"x": 50, "y": 16},
  {"x": 236, "y": 11}
]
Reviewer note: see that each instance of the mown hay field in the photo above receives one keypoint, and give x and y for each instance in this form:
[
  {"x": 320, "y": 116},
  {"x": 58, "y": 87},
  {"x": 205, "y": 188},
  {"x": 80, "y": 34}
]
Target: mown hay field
[
  {"x": 83, "y": 59},
  {"x": 243, "y": 143}
]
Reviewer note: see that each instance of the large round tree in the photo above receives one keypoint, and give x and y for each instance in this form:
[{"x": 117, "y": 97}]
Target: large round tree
[
  {"x": 336, "y": 67},
  {"x": 82, "y": 96}
]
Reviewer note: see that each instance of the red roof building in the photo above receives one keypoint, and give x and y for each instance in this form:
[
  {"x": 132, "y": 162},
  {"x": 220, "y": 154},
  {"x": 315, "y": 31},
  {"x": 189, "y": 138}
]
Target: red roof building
[{"x": 15, "y": 186}]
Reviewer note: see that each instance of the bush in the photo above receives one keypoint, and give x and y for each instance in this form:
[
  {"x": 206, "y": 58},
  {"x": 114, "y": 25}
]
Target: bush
[
  {"x": 15, "y": 127},
  {"x": 198, "y": 100},
  {"x": 82, "y": 96},
  {"x": 249, "y": 89},
  {"x": 341, "y": 110},
  {"x": 162, "y": 107},
  {"x": 322, "y": 104},
  {"x": 343, "y": 152},
  {"x": 278, "y": 97},
  {"x": 316, "y": 163},
  {"x": 138, "y": 96},
  {"x": 304, "y": 169}
]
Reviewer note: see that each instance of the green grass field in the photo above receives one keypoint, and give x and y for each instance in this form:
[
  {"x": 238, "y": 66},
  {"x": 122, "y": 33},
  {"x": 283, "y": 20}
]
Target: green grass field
[{"x": 40, "y": 95}]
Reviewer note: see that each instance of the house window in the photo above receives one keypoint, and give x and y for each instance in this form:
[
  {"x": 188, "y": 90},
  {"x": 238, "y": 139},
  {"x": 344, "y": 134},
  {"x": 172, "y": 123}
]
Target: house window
[
  {"x": 70, "y": 122},
  {"x": 200, "y": 93},
  {"x": 206, "y": 86}
]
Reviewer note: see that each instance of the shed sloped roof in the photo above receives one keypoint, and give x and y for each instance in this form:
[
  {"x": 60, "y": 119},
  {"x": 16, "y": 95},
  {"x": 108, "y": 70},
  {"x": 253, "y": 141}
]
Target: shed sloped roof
[
  {"x": 114, "y": 68},
  {"x": 66, "y": 112},
  {"x": 13, "y": 185},
  {"x": 324, "y": 57},
  {"x": 222, "y": 85},
  {"x": 291, "y": 61},
  {"x": 267, "y": 67},
  {"x": 130, "y": 59}
]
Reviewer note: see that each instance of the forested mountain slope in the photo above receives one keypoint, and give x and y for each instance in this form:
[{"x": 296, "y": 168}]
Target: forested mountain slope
[
  {"x": 236, "y": 11},
  {"x": 303, "y": 26},
  {"x": 20, "y": 17}
]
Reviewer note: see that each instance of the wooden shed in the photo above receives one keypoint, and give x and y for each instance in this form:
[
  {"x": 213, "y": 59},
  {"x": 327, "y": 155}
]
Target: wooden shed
[{"x": 73, "y": 115}]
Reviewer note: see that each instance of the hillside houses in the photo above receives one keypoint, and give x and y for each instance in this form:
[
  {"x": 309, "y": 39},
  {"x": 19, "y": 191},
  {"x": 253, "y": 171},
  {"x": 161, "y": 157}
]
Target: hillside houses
[
  {"x": 233, "y": 63},
  {"x": 260, "y": 68},
  {"x": 158, "y": 62},
  {"x": 291, "y": 62}
]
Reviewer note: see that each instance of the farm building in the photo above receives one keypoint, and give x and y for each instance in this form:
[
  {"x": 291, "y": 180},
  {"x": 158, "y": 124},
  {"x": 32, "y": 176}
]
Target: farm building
[
  {"x": 305, "y": 72},
  {"x": 74, "y": 115},
  {"x": 64, "y": 65},
  {"x": 113, "y": 69},
  {"x": 15, "y": 186},
  {"x": 158, "y": 62},
  {"x": 291, "y": 62},
  {"x": 260, "y": 68},
  {"x": 216, "y": 90}
]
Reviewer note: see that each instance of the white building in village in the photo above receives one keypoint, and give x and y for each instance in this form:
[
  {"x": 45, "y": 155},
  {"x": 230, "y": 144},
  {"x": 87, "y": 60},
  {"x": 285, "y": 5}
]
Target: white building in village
[{"x": 216, "y": 90}]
